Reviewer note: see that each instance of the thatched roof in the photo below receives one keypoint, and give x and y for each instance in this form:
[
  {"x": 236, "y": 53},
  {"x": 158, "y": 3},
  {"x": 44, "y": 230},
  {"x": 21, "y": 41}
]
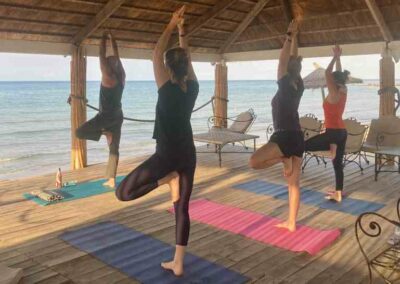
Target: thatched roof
[
  {"x": 316, "y": 79},
  {"x": 216, "y": 26}
]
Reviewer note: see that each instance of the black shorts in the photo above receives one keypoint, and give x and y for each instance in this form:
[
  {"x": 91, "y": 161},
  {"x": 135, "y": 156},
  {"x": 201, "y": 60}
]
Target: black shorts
[{"x": 290, "y": 142}]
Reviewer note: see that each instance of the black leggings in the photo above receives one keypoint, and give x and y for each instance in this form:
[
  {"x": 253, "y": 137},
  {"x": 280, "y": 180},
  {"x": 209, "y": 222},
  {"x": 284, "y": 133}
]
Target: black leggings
[
  {"x": 94, "y": 128},
  {"x": 145, "y": 178},
  {"x": 323, "y": 141}
]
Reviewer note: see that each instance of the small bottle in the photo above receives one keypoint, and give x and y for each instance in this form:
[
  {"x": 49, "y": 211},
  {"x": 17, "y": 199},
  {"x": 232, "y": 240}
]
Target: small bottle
[{"x": 59, "y": 179}]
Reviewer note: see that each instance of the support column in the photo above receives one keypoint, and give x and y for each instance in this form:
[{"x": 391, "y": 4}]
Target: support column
[
  {"x": 221, "y": 95},
  {"x": 78, "y": 107},
  {"x": 387, "y": 80}
]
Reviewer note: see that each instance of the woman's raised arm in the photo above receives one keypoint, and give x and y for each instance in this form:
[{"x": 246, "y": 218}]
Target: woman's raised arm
[
  {"x": 160, "y": 71},
  {"x": 183, "y": 43}
]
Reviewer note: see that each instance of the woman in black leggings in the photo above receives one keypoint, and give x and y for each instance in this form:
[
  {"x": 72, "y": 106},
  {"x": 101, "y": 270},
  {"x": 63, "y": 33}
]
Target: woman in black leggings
[
  {"x": 335, "y": 136},
  {"x": 174, "y": 162},
  {"x": 110, "y": 117}
]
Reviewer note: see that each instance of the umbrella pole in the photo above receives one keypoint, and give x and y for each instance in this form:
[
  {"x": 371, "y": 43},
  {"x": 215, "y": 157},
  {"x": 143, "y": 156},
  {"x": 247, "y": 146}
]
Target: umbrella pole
[{"x": 323, "y": 93}]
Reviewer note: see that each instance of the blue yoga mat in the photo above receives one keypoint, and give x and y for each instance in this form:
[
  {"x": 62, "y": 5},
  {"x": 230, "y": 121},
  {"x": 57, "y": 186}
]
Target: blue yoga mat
[
  {"x": 348, "y": 205},
  {"x": 139, "y": 256},
  {"x": 73, "y": 192}
]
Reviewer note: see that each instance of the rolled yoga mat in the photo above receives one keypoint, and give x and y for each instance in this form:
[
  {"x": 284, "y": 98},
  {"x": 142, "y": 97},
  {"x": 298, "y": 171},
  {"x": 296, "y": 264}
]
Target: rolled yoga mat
[
  {"x": 139, "y": 256},
  {"x": 73, "y": 192},
  {"x": 260, "y": 227},
  {"x": 311, "y": 197}
]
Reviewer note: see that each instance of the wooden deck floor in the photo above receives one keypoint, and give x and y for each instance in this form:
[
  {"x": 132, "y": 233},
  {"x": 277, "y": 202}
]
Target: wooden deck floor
[{"x": 28, "y": 232}]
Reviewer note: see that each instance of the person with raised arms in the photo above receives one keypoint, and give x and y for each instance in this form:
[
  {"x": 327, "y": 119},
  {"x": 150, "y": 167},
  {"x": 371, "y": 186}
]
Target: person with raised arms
[{"x": 174, "y": 161}]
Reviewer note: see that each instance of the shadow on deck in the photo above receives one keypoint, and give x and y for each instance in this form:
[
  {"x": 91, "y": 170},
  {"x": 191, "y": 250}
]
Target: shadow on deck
[{"x": 29, "y": 233}]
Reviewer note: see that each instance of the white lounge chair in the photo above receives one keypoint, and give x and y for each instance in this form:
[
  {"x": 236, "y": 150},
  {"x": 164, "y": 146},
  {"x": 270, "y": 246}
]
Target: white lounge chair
[{"x": 236, "y": 132}]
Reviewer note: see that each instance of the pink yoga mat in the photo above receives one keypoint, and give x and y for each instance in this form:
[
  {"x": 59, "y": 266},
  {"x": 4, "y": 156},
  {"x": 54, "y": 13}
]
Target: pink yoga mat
[{"x": 260, "y": 227}]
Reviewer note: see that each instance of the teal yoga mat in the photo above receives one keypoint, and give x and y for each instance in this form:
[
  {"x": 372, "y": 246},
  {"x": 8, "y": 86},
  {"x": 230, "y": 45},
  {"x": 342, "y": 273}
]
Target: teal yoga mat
[{"x": 81, "y": 190}]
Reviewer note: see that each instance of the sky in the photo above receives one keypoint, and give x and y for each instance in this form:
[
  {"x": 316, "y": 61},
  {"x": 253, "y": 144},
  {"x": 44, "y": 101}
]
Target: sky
[{"x": 28, "y": 67}]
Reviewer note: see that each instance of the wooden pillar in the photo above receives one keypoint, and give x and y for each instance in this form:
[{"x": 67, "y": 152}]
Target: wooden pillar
[
  {"x": 78, "y": 107},
  {"x": 221, "y": 95},
  {"x": 387, "y": 80}
]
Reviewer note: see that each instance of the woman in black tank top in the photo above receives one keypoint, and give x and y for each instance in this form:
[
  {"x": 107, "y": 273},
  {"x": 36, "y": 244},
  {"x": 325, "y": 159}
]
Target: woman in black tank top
[
  {"x": 286, "y": 145},
  {"x": 174, "y": 161},
  {"x": 110, "y": 117}
]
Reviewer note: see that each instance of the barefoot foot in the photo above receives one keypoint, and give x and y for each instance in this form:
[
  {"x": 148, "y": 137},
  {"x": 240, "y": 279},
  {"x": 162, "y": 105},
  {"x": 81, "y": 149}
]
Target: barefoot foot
[
  {"x": 176, "y": 268},
  {"x": 174, "y": 186},
  {"x": 287, "y": 226},
  {"x": 109, "y": 137},
  {"x": 335, "y": 196},
  {"x": 110, "y": 183},
  {"x": 287, "y": 167}
]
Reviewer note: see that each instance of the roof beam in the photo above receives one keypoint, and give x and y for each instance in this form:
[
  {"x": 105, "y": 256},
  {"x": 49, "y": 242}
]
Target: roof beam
[
  {"x": 244, "y": 24},
  {"x": 211, "y": 13},
  {"x": 380, "y": 21},
  {"x": 100, "y": 18},
  {"x": 221, "y": 6}
]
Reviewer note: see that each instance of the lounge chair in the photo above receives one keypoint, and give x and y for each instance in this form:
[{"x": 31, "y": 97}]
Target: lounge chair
[
  {"x": 236, "y": 132},
  {"x": 383, "y": 140}
]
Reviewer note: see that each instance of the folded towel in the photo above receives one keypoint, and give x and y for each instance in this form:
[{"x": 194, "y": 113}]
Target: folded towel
[{"x": 47, "y": 195}]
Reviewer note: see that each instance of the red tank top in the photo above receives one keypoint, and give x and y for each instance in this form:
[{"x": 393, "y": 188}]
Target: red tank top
[{"x": 333, "y": 113}]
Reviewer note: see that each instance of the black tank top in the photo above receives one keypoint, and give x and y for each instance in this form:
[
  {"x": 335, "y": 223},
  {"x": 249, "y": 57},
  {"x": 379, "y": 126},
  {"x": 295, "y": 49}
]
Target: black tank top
[
  {"x": 110, "y": 98},
  {"x": 173, "y": 112},
  {"x": 285, "y": 105}
]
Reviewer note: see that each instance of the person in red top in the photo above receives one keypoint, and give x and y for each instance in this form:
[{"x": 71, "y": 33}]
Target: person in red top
[{"x": 335, "y": 135}]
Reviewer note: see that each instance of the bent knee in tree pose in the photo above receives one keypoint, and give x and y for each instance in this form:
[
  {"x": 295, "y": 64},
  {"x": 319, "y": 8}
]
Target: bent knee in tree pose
[
  {"x": 174, "y": 161},
  {"x": 110, "y": 117},
  {"x": 286, "y": 145}
]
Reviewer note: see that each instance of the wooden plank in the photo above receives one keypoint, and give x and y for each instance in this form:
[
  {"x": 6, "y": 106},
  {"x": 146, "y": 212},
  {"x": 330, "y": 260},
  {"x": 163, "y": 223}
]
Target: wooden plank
[
  {"x": 100, "y": 18},
  {"x": 244, "y": 24},
  {"x": 218, "y": 8},
  {"x": 380, "y": 21}
]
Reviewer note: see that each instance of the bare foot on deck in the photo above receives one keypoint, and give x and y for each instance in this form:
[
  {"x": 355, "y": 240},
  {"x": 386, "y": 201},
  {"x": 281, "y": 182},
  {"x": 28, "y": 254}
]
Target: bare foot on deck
[
  {"x": 332, "y": 151},
  {"x": 335, "y": 196},
  {"x": 176, "y": 268},
  {"x": 110, "y": 183},
  {"x": 287, "y": 167},
  {"x": 287, "y": 226}
]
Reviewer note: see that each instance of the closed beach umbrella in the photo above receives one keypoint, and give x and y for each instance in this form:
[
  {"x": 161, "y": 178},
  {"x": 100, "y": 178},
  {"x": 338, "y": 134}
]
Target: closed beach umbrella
[{"x": 316, "y": 80}]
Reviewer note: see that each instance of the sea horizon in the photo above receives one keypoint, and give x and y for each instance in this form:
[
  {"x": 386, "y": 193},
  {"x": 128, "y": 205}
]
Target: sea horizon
[{"x": 35, "y": 121}]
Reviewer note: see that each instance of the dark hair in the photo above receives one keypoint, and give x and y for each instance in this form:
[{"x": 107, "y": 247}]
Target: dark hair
[
  {"x": 177, "y": 61},
  {"x": 294, "y": 66},
  {"x": 341, "y": 77},
  {"x": 115, "y": 67}
]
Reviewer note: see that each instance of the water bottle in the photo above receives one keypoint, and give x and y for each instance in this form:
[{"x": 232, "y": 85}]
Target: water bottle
[{"x": 59, "y": 178}]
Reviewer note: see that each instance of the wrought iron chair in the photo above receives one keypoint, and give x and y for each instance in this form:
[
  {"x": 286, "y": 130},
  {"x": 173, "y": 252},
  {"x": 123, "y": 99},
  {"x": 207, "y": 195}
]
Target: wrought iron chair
[
  {"x": 385, "y": 263},
  {"x": 356, "y": 133}
]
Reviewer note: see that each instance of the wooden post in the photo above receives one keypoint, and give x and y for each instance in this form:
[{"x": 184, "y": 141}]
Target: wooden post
[
  {"x": 221, "y": 95},
  {"x": 78, "y": 107},
  {"x": 387, "y": 80}
]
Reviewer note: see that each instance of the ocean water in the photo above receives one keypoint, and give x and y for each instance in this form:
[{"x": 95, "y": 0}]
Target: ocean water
[{"x": 35, "y": 119}]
